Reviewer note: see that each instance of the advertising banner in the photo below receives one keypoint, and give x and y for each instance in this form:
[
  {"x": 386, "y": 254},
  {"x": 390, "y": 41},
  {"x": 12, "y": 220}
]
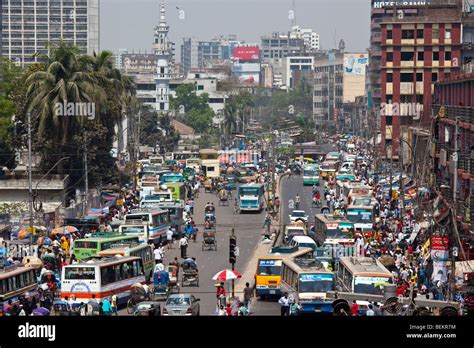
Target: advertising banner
[
  {"x": 355, "y": 64},
  {"x": 244, "y": 53},
  {"x": 439, "y": 243}
]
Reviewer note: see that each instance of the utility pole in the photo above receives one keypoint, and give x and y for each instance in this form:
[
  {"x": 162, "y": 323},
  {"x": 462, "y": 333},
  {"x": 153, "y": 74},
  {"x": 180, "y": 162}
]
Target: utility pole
[
  {"x": 86, "y": 195},
  {"x": 402, "y": 189},
  {"x": 30, "y": 180},
  {"x": 454, "y": 208}
]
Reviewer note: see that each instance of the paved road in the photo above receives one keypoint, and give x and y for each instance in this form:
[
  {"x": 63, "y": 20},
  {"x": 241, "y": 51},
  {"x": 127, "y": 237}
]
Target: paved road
[{"x": 248, "y": 231}]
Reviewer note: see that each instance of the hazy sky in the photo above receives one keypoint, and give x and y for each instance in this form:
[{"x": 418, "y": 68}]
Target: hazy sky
[{"x": 130, "y": 23}]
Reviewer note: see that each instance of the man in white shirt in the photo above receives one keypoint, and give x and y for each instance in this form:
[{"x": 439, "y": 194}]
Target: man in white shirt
[
  {"x": 159, "y": 253},
  {"x": 169, "y": 238},
  {"x": 370, "y": 312},
  {"x": 285, "y": 305},
  {"x": 183, "y": 244},
  {"x": 159, "y": 267}
]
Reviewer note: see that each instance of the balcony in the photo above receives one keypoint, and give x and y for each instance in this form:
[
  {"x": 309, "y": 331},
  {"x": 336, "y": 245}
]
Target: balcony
[{"x": 464, "y": 114}]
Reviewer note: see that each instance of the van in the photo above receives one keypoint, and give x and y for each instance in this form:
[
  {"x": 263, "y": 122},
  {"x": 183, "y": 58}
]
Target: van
[{"x": 303, "y": 242}]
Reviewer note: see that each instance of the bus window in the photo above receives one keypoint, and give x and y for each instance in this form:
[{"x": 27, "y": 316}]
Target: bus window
[
  {"x": 85, "y": 245},
  {"x": 80, "y": 273}
]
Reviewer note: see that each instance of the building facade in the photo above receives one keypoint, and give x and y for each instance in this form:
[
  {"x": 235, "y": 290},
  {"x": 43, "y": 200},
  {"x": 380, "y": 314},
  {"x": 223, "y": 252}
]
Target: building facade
[
  {"x": 280, "y": 46},
  {"x": 297, "y": 67},
  {"x": 310, "y": 38},
  {"x": 420, "y": 45},
  {"x": 27, "y": 27},
  {"x": 453, "y": 110}
]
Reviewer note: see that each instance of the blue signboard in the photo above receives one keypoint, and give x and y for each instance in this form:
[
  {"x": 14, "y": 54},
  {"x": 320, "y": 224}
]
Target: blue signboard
[
  {"x": 267, "y": 262},
  {"x": 315, "y": 277}
]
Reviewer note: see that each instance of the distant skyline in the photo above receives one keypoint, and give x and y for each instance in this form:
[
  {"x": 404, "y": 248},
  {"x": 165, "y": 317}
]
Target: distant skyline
[{"x": 130, "y": 24}]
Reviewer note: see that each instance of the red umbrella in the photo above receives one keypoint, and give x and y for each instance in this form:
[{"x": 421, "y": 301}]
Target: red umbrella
[{"x": 226, "y": 275}]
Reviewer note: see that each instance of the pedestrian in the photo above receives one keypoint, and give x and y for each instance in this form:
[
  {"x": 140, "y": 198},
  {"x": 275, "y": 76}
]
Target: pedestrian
[
  {"x": 355, "y": 308},
  {"x": 285, "y": 305},
  {"x": 159, "y": 266},
  {"x": 248, "y": 294},
  {"x": 243, "y": 310},
  {"x": 220, "y": 294},
  {"x": 169, "y": 238},
  {"x": 183, "y": 244},
  {"x": 221, "y": 311},
  {"x": 370, "y": 312},
  {"x": 159, "y": 254},
  {"x": 114, "y": 303},
  {"x": 106, "y": 307}
]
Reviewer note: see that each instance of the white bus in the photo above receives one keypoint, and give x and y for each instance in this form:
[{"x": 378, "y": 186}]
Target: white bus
[
  {"x": 101, "y": 278},
  {"x": 309, "y": 281},
  {"x": 148, "y": 225}
]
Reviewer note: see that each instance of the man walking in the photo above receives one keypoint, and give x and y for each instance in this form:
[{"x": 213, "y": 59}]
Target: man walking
[
  {"x": 169, "y": 238},
  {"x": 114, "y": 305},
  {"x": 159, "y": 253},
  {"x": 248, "y": 294},
  {"x": 183, "y": 244},
  {"x": 285, "y": 305}
]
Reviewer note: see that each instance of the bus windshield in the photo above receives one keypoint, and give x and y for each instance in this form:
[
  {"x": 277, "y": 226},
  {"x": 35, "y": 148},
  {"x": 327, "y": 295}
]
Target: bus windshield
[
  {"x": 316, "y": 283},
  {"x": 269, "y": 267},
  {"x": 336, "y": 234},
  {"x": 370, "y": 285},
  {"x": 310, "y": 172},
  {"x": 250, "y": 191},
  {"x": 172, "y": 178},
  {"x": 80, "y": 273},
  {"x": 136, "y": 218},
  {"x": 359, "y": 215},
  {"x": 328, "y": 165}
]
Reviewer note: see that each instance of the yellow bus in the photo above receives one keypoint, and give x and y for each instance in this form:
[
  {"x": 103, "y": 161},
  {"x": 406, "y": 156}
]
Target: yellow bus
[{"x": 268, "y": 276}]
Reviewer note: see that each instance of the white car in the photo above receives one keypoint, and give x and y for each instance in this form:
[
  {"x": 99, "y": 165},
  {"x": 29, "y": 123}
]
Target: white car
[{"x": 298, "y": 215}]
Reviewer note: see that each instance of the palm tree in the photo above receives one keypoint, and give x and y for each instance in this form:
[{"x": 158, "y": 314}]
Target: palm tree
[
  {"x": 63, "y": 80},
  {"x": 230, "y": 118}
]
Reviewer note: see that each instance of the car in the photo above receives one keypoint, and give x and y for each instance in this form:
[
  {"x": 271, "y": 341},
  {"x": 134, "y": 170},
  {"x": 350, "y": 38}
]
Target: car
[
  {"x": 297, "y": 215},
  {"x": 147, "y": 308},
  {"x": 303, "y": 242},
  {"x": 182, "y": 304}
]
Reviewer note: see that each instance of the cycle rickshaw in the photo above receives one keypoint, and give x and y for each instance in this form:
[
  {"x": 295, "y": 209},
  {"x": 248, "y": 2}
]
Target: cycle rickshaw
[{"x": 190, "y": 275}]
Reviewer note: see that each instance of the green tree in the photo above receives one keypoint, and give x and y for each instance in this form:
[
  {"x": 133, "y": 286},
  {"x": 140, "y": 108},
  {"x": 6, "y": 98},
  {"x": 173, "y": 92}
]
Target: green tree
[{"x": 9, "y": 77}]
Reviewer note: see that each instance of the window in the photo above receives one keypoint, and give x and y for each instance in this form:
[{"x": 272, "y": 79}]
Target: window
[
  {"x": 447, "y": 55},
  {"x": 389, "y": 56},
  {"x": 419, "y": 77},
  {"x": 419, "y": 33},
  {"x": 406, "y": 77},
  {"x": 407, "y": 56},
  {"x": 447, "y": 33},
  {"x": 80, "y": 273},
  {"x": 420, "y": 55},
  {"x": 408, "y": 34},
  {"x": 436, "y": 33},
  {"x": 389, "y": 77},
  {"x": 388, "y": 120},
  {"x": 435, "y": 55},
  {"x": 434, "y": 77},
  {"x": 389, "y": 34}
]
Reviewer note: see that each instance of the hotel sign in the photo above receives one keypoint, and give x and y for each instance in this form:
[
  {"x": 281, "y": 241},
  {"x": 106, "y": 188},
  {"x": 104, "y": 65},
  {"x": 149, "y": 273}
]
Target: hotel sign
[{"x": 381, "y": 4}]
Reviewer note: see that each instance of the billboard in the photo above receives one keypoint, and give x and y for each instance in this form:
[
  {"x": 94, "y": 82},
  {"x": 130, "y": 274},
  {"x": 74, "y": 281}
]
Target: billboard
[
  {"x": 247, "y": 72},
  {"x": 355, "y": 64},
  {"x": 243, "y": 53}
]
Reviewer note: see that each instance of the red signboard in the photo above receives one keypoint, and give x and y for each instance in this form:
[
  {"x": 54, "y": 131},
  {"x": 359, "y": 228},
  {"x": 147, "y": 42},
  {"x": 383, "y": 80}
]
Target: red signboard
[
  {"x": 243, "y": 53},
  {"x": 439, "y": 243}
]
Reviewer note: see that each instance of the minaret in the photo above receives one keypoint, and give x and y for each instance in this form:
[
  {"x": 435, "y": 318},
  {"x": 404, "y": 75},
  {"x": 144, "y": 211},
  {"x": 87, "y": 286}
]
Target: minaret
[{"x": 162, "y": 53}]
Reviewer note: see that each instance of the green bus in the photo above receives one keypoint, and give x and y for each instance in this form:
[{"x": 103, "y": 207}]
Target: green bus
[
  {"x": 88, "y": 247},
  {"x": 311, "y": 174}
]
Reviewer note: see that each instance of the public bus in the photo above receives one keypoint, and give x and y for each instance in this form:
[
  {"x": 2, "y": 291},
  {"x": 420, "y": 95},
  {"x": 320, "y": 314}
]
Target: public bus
[
  {"x": 333, "y": 229},
  {"x": 353, "y": 190},
  {"x": 308, "y": 281},
  {"x": 179, "y": 191},
  {"x": 362, "y": 275},
  {"x": 88, "y": 247},
  {"x": 140, "y": 250},
  {"x": 311, "y": 174},
  {"x": 102, "y": 277},
  {"x": 182, "y": 156},
  {"x": 328, "y": 169},
  {"x": 194, "y": 163},
  {"x": 364, "y": 217},
  {"x": 333, "y": 156},
  {"x": 251, "y": 197},
  {"x": 163, "y": 200},
  {"x": 168, "y": 178},
  {"x": 268, "y": 276},
  {"x": 147, "y": 225},
  {"x": 154, "y": 160},
  {"x": 14, "y": 282}
]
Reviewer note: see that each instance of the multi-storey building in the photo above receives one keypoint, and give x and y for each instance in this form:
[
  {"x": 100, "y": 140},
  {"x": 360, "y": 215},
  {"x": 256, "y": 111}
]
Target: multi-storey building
[
  {"x": 420, "y": 45},
  {"x": 310, "y": 38},
  {"x": 453, "y": 110},
  {"x": 280, "y": 45},
  {"x": 27, "y": 27},
  {"x": 297, "y": 68},
  {"x": 195, "y": 54}
]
